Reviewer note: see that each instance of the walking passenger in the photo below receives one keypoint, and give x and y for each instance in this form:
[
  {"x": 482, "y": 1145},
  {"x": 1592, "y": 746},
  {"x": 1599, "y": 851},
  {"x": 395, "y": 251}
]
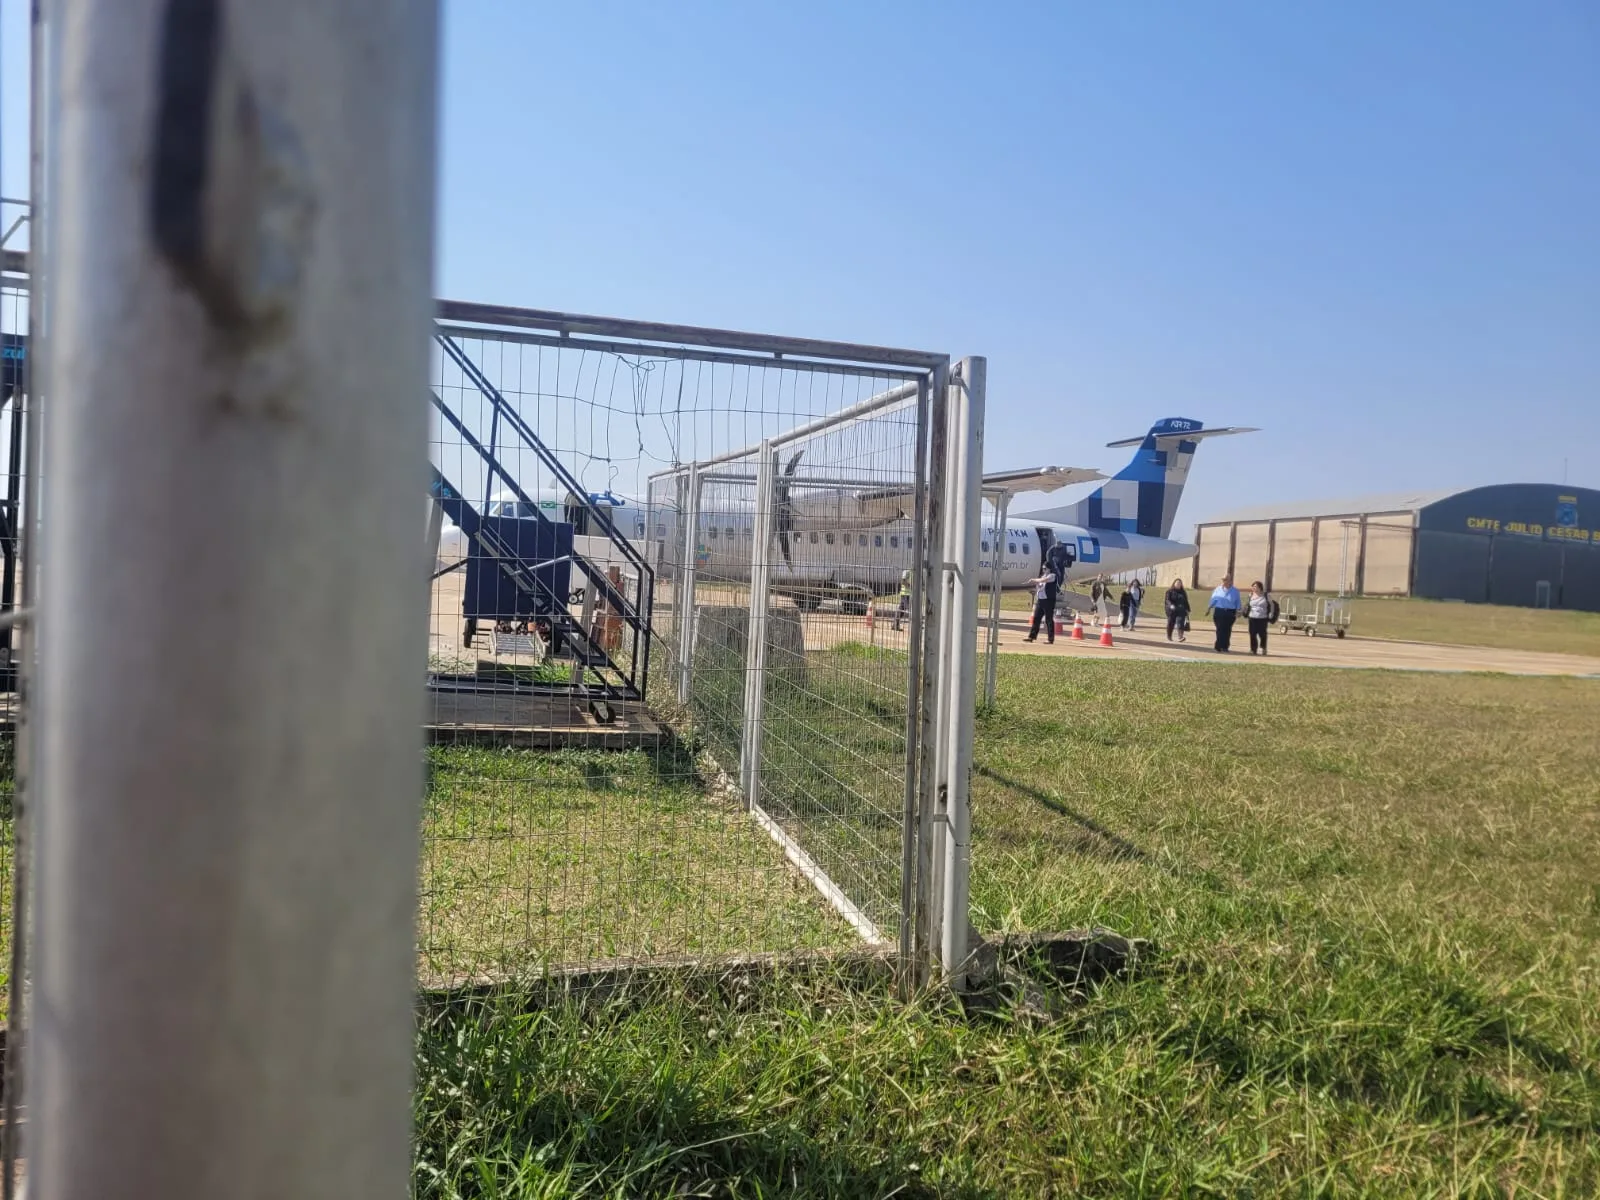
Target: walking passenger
[
  {"x": 1259, "y": 614},
  {"x": 1100, "y": 594},
  {"x": 1125, "y": 603},
  {"x": 1045, "y": 589},
  {"x": 1135, "y": 599},
  {"x": 903, "y": 611},
  {"x": 1178, "y": 611},
  {"x": 1224, "y": 610}
]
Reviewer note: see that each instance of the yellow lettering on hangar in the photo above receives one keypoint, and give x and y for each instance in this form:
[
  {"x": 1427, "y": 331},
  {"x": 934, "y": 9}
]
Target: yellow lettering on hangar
[{"x": 1487, "y": 524}]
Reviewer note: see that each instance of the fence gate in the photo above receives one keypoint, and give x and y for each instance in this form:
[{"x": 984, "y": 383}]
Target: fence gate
[{"x": 742, "y": 509}]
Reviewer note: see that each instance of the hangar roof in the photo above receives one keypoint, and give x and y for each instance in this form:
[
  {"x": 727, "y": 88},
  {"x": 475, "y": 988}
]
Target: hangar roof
[{"x": 1350, "y": 506}]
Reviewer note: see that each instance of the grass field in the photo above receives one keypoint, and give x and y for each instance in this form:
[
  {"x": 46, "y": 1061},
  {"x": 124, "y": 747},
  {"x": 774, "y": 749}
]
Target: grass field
[
  {"x": 1478, "y": 625},
  {"x": 1435, "y": 621},
  {"x": 531, "y": 859},
  {"x": 1376, "y": 903}
]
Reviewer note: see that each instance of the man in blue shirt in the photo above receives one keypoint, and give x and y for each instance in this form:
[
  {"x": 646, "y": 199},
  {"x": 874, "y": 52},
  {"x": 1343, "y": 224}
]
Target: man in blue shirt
[{"x": 1224, "y": 612}]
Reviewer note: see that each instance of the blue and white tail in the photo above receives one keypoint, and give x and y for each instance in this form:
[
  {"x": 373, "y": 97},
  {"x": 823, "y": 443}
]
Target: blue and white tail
[{"x": 1143, "y": 497}]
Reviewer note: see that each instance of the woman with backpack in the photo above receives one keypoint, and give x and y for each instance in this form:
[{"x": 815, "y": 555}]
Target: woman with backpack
[
  {"x": 1261, "y": 611},
  {"x": 1177, "y": 611}
]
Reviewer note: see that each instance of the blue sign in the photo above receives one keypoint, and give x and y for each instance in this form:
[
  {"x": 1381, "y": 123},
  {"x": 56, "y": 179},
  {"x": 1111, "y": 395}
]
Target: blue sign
[
  {"x": 1566, "y": 511},
  {"x": 14, "y": 347}
]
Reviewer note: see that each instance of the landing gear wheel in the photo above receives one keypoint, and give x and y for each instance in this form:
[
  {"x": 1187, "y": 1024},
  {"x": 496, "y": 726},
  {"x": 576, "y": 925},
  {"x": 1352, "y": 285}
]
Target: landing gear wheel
[
  {"x": 853, "y": 608},
  {"x": 470, "y": 632},
  {"x": 1311, "y": 633},
  {"x": 807, "y": 601},
  {"x": 1339, "y": 632}
]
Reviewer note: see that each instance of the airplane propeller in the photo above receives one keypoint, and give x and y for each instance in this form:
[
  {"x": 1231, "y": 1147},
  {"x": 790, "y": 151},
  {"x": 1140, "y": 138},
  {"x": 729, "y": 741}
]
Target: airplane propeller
[{"x": 783, "y": 517}]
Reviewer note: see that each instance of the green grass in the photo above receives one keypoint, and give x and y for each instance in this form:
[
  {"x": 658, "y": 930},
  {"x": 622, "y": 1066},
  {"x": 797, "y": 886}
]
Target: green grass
[
  {"x": 1375, "y": 902},
  {"x": 533, "y": 859},
  {"x": 1555, "y": 630}
]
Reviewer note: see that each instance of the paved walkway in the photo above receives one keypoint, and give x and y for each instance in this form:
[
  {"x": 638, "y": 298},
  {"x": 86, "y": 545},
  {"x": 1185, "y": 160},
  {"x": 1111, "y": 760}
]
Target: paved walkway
[{"x": 1298, "y": 650}]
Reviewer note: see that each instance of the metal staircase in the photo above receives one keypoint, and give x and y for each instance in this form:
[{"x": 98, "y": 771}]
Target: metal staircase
[{"x": 521, "y": 570}]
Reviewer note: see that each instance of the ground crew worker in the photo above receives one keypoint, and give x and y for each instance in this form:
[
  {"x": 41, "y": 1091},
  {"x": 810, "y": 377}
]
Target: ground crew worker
[
  {"x": 1044, "y": 605},
  {"x": 903, "y": 612}
]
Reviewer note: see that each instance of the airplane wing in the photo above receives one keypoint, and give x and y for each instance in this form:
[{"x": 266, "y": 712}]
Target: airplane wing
[
  {"x": 1039, "y": 479},
  {"x": 1184, "y": 435},
  {"x": 864, "y": 508}
]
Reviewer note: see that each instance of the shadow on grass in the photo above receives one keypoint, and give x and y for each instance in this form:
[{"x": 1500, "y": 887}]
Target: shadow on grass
[{"x": 1105, "y": 842}]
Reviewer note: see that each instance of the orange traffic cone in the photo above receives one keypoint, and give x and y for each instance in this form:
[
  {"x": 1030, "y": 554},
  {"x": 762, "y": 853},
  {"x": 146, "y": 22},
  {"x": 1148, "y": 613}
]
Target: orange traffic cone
[
  {"x": 1105, "y": 635},
  {"x": 1077, "y": 628}
]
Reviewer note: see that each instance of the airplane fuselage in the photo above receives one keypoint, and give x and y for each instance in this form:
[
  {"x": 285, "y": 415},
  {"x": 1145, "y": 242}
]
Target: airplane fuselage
[{"x": 844, "y": 561}]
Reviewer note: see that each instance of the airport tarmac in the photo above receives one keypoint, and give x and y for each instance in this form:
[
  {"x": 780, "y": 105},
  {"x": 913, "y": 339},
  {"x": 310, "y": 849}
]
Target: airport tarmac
[
  {"x": 1149, "y": 642},
  {"x": 829, "y": 627}
]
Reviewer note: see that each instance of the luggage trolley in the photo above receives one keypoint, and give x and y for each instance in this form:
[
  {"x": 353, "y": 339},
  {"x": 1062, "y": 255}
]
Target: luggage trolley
[{"x": 1309, "y": 614}]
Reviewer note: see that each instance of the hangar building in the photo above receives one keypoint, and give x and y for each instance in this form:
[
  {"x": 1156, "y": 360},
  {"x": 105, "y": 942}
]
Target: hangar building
[{"x": 1532, "y": 544}]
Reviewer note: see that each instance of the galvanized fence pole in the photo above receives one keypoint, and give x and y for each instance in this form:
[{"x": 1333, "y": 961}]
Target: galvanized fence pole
[
  {"x": 909, "y": 972},
  {"x": 232, "y": 630},
  {"x": 966, "y": 518},
  {"x": 691, "y": 544},
  {"x": 996, "y": 578},
  {"x": 930, "y": 564},
  {"x": 755, "y": 679}
]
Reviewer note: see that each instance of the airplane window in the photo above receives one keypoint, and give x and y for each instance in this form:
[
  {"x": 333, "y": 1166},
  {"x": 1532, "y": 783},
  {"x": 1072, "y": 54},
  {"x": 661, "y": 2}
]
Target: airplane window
[
  {"x": 728, "y": 532},
  {"x": 877, "y": 541},
  {"x": 749, "y": 534},
  {"x": 711, "y": 534},
  {"x": 813, "y": 537},
  {"x": 861, "y": 539},
  {"x": 638, "y": 529},
  {"x": 894, "y": 541},
  {"x": 830, "y": 538},
  {"x": 1011, "y": 547},
  {"x": 661, "y": 531},
  {"x": 986, "y": 547}
]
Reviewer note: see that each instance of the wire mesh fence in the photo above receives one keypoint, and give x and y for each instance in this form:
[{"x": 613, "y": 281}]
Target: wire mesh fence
[
  {"x": 818, "y": 547},
  {"x": 675, "y": 643},
  {"x": 597, "y": 702}
]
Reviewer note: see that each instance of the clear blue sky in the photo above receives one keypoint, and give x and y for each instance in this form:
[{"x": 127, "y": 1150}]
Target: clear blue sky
[{"x": 1371, "y": 229}]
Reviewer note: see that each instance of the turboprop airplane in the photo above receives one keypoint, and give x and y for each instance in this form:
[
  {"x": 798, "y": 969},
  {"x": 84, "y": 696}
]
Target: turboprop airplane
[{"x": 849, "y": 544}]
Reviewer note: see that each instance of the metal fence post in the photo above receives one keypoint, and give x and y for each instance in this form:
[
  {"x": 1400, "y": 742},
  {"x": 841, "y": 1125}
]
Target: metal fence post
[
  {"x": 966, "y": 486},
  {"x": 996, "y": 578},
  {"x": 755, "y": 677},
  {"x": 935, "y": 673},
  {"x": 691, "y": 544},
  {"x": 232, "y": 625}
]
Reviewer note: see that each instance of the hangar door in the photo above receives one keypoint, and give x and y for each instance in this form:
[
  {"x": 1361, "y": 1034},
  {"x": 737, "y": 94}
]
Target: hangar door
[
  {"x": 1452, "y": 566},
  {"x": 1518, "y": 565},
  {"x": 1580, "y": 577},
  {"x": 1250, "y": 543},
  {"x": 1336, "y": 542},
  {"x": 1213, "y": 555},
  {"x": 1386, "y": 560},
  {"x": 1291, "y": 556}
]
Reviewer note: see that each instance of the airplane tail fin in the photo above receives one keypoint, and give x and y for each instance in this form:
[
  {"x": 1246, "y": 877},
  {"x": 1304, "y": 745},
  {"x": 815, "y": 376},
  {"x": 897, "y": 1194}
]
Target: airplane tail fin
[{"x": 1143, "y": 497}]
